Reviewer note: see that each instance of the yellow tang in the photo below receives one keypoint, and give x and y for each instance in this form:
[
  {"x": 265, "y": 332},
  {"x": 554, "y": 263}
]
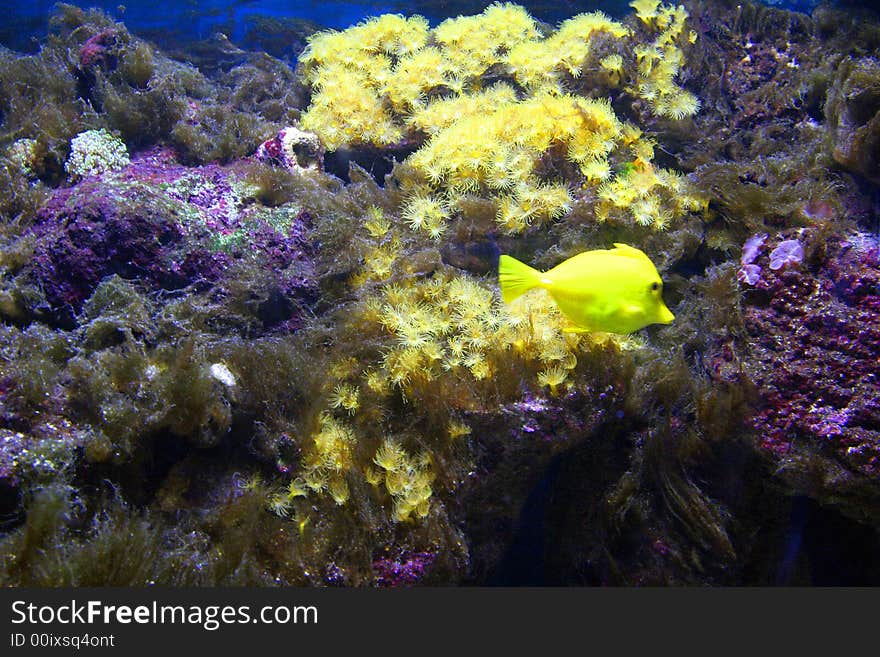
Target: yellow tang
[{"x": 615, "y": 290}]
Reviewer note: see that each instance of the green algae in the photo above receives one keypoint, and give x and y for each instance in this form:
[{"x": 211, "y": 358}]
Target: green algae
[{"x": 642, "y": 445}]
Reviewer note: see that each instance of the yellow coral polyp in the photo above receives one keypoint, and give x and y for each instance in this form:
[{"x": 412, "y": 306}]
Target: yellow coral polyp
[
  {"x": 553, "y": 378},
  {"x": 458, "y": 430},
  {"x": 374, "y": 476},
  {"x": 612, "y": 63},
  {"x": 376, "y": 382},
  {"x": 595, "y": 169},
  {"x": 407, "y": 479},
  {"x": 338, "y": 489},
  {"x": 660, "y": 61},
  {"x": 479, "y": 367},
  {"x": 297, "y": 488},
  {"x": 427, "y": 213},
  {"x": 345, "y": 396},
  {"x": 390, "y": 455},
  {"x": 377, "y": 224},
  {"x": 678, "y": 105},
  {"x": 315, "y": 479},
  {"x": 645, "y": 9},
  {"x": 646, "y": 210},
  {"x": 279, "y": 504}
]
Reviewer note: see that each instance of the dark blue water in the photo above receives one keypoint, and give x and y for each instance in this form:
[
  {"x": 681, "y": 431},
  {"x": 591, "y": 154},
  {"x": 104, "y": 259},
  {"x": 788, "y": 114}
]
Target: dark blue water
[{"x": 187, "y": 20}]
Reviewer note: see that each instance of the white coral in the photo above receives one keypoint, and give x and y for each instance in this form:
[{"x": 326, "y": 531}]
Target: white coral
[{"x": 94, "y": 152}]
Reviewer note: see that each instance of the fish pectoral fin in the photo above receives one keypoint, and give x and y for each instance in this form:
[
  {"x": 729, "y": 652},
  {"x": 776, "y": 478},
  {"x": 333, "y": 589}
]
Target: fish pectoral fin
[{"x": 631, "y": 310}]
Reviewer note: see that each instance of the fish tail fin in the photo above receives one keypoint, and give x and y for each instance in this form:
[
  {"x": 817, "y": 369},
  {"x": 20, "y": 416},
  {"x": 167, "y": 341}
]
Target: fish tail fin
[{"x": 516, "y": 278}]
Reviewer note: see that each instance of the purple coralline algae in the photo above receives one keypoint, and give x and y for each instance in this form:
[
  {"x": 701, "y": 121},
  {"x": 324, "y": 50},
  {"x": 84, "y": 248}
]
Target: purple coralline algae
[
  {"x": 85, "y": 233},
  {"x": 815, "y": 339},
  {"x": 208, "y": 191},
  {"x": 406, "y": 570},
  {"x": 100, "y": 50},
  {"x": 168, "y": 226}
]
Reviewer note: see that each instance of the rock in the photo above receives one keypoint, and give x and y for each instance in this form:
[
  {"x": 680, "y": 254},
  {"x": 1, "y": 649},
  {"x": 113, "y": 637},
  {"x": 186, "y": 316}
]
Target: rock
[
  {"x": 815, "y": 336},
  {"x": 853, "y": 113}
]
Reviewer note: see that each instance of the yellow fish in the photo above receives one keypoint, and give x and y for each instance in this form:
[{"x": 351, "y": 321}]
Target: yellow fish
[{"x": 615, "y": 290}]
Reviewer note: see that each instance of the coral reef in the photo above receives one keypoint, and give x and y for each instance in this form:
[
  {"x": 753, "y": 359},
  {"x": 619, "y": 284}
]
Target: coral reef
[
  {"x": 853, "y": 111},
  {"x": 252, "y": 332},
  {"x": 167, "y": 226},
  {"x": 815, "y": 332},
  {"x": 381, "y": 84}
]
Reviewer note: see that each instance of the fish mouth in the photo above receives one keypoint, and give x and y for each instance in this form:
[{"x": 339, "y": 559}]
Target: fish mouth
[{"x": 665, "y": 316}]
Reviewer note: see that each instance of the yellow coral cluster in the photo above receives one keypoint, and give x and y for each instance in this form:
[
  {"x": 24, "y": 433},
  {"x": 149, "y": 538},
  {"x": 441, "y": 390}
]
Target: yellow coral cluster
[
  {"x": 329, "y": 457},
  {"x": 540, "y": 64},
  {"x": 329, "y": 460},
  {"x": 473, "y": 44},
  {"x": 498, "y": 151},
  {"x": 441, "y": 113},
  {"x": 660, "y": 61},
  {"x": 391, "y": 78},
  {"x": 652, "y": 195},
  {"x": 448, "y": 330},
  {"x": 406, "y": 478},
  {"x": 452, "y": 325},
  {"x": 351, "y": 73},
  {"x": 370, "y": 78},
  {"x": 421, "y": 335},
  {"x": 383, "y": 249}
]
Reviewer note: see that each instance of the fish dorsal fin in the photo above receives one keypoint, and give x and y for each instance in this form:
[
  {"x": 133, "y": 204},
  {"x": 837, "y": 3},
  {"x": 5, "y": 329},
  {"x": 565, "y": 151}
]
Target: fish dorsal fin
[{"x": 628, "y": 251}]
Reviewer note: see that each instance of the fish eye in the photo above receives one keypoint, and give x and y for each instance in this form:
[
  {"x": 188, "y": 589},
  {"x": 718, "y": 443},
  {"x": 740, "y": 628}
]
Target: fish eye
[{"x": 655, "y": 286}]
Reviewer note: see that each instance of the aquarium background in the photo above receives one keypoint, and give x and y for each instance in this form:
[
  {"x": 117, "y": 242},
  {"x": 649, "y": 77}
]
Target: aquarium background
[
  {"x": 184, "y": 21},
  {"x": 251, "y": 329}
]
